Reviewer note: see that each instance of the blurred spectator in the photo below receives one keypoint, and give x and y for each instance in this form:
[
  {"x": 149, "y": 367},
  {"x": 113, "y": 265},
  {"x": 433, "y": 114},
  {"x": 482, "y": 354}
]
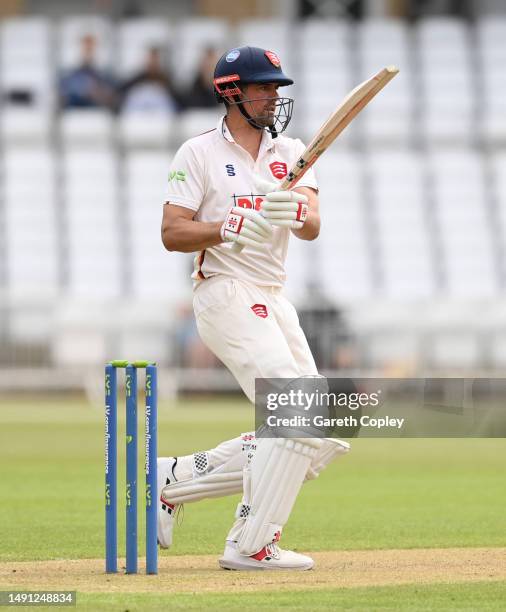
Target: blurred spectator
[
  {"x": 87, "y": 86},
  {"x": 201, "y": 92},
  {"x": 151, "y": 89}
]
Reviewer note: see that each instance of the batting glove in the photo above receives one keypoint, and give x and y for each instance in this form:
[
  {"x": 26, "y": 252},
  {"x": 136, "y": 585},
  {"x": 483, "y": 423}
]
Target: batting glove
[
  {"x": 283, "y": 208},
  {"x": 245, "y": 226}
]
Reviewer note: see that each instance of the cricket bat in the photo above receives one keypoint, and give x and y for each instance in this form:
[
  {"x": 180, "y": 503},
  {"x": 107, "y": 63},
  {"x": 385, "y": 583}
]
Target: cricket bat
[{"x": 349, "y": 108}]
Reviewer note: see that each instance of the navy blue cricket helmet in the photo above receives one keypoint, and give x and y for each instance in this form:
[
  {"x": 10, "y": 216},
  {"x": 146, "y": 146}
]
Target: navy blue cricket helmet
[{"x": 245, "y": 65}]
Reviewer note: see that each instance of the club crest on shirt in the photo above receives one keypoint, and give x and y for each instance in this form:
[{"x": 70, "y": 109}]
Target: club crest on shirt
[
  {"x": 278, "y": 169},
  {"x": 250, "y": 200},
  {"x": 260, "y": 310}
]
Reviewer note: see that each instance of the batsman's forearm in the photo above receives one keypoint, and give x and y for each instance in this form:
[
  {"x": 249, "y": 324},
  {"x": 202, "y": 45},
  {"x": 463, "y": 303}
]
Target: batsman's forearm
[
  {"x": 311, "y": 227},
  {"x": 188, "y": 236}
]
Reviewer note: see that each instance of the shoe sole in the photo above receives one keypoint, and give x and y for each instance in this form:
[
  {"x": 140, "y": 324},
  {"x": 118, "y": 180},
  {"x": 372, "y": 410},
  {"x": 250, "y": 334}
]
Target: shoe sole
[{"x": 236, "y": 566}]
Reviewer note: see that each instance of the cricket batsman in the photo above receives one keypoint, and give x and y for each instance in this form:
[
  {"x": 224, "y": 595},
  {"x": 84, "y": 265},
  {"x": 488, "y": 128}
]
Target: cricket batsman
[{"x": 223, "y": 192}]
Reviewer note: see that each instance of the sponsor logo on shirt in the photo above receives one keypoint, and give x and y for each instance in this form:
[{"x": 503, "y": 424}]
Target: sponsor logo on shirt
[
  {"x": 177, "y": 175},
  {"x": 230, "y": 169},
  {"x": 249, "y": 201},
  {"x": 278, "y": 169}
]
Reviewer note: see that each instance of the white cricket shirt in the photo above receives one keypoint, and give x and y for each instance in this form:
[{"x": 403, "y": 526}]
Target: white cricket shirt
[{"x": 211, "y": 173}]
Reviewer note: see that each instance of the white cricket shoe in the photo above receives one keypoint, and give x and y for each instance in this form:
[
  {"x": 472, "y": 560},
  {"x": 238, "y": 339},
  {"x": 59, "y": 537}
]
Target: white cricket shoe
[
  {"x": 271, "y": 557},
  {"x": 166, "y": 510}
]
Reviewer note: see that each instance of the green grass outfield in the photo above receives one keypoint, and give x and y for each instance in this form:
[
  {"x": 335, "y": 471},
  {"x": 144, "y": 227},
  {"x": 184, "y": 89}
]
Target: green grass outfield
[
  {"x": 463, "y": 597},
  {"x": 386, "y": 494}
]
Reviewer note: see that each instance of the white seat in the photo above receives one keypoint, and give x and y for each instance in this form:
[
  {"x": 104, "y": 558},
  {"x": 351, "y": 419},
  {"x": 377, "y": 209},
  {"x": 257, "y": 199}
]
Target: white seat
[
  {"x": 32, "y": 240},
  {"x": 490, "y": 35},
  {"x": 343, "y": 244},
  {"x": 272, "y": 34},
  {"x": 463, "y": 222},
  {"x": 95, "y": 127},
  {"x": 498, "y": 351},
  {"x": 28, "y": 273},
  {"x": 194, "y": 36},
  {"x": 442, "y": 32},
  {"x": 83, "y": 332},
  {"x": 159, "y": 275},
  {"x": 99, "y": 276},
  {"x": 145, "y": 327},
  {"x": 382, "y": 42},
  {"x": 324, "y": 40},
  {"x": 493, "y": 126},
  {"x": 136, "y": 37},
  {"x": 448, "y": 121},
  {"x": 401, "y": 224},
  {"x": 26, "y": 126},
  {"x": 153, "y": 271},
  {"x": 93, "y": 259},
  {"x": 144, "y": 130},
  {"x": 441, "y": 126},
  {"x": 389, "y": 118},
  {"x": 394, "y": 351},
  {"x": 448, "y": 94},
  {"x": 70, "y": 32},
  {"x": 197, "y": 121},
  {"x": 324, "y": 52},
  {"x": 311, "y": 111},
  {"x": 498, "y": 167},
  {"x": 302, "y": 271},
  {"x": 491, "y": 54},
  {"x": 25, "y": 58},
  {"x": 368, "y": 317},
  {"x": 454, "y": 351},
  {"x": 498, "y": 185},
  {"x": 495, "y": 328},
  {"x": 147, "y": 172},
  {"x": 31, "y": 317}
]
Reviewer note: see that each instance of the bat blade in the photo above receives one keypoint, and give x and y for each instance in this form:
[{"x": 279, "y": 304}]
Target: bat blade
[{"x": 349, "y": 108}]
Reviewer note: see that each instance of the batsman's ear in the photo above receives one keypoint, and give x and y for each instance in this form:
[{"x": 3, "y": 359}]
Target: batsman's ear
[{"x": 263, "y": 186}]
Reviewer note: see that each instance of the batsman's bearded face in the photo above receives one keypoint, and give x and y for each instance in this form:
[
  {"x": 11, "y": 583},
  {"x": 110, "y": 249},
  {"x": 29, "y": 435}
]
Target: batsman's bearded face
[
  {"x": 260, "y": 102},
  {"x": 260, "y": 105}
]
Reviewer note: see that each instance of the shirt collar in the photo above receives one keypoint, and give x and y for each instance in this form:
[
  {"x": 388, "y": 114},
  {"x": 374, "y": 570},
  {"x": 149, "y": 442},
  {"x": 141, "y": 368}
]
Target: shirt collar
[{"x": 266, "y": 143}]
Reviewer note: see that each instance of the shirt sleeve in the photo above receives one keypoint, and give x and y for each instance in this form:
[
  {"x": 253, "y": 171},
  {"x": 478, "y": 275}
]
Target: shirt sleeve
[
  {"x": 186, "y": 179},
  {"x": 309, "y": 179}
]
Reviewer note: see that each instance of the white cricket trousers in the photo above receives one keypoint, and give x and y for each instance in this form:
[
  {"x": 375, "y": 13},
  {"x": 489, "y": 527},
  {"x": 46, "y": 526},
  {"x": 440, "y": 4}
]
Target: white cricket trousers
[{"x": 253, "y": 330}]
